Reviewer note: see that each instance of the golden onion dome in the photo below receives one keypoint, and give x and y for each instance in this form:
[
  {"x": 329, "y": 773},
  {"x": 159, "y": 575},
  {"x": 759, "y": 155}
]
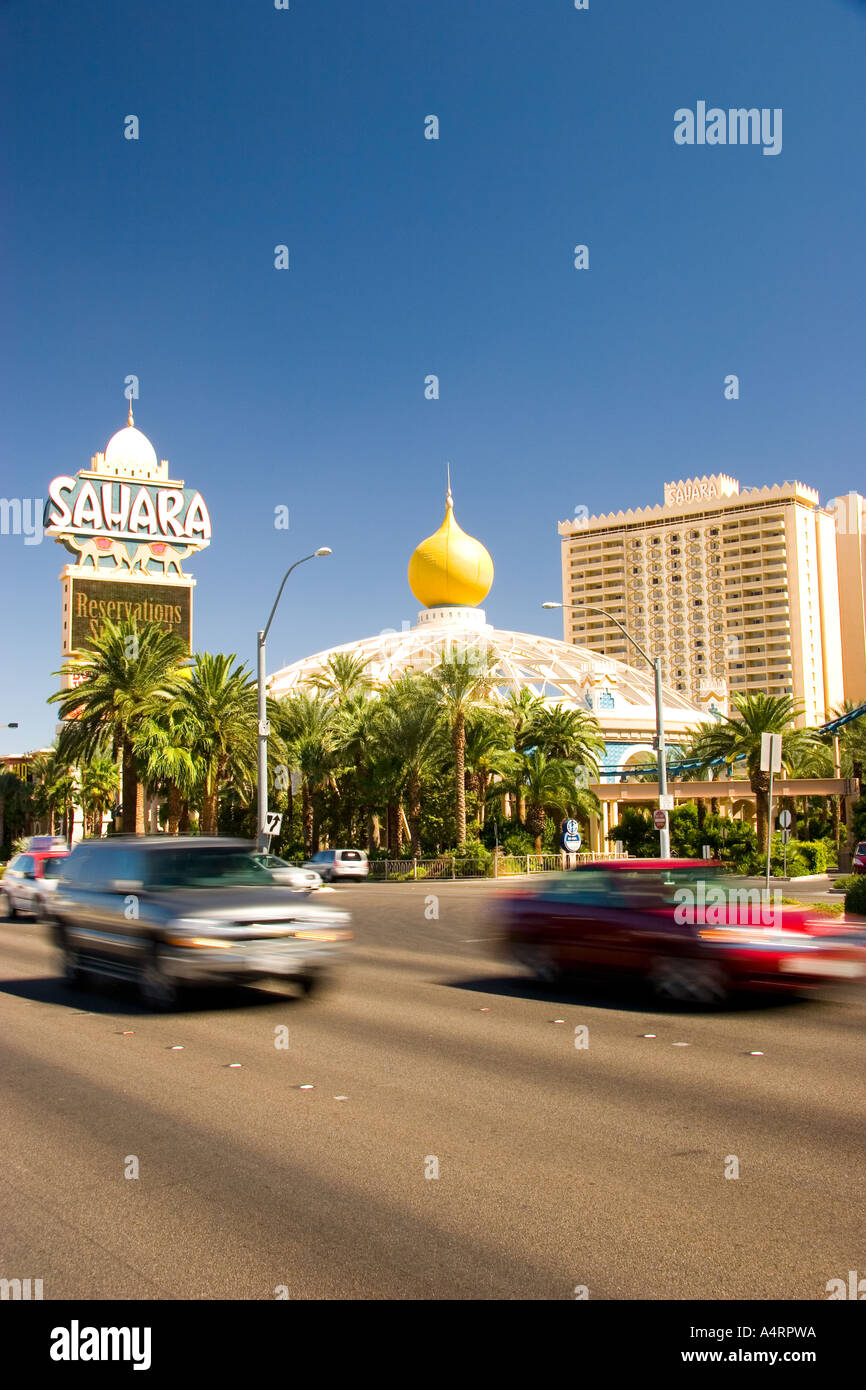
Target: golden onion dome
[{"x": 450, "y": 567}]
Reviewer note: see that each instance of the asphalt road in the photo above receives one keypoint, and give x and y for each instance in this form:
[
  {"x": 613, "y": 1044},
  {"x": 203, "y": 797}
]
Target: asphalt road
[{"x": 558, "y": 1167}]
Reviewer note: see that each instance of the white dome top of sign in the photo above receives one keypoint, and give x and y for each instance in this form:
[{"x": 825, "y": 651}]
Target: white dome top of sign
[{"x": 130, "y": 454}]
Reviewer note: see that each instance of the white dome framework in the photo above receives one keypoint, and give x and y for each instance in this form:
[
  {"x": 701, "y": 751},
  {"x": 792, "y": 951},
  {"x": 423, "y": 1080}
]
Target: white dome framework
[{"x": 620, "y": 697}]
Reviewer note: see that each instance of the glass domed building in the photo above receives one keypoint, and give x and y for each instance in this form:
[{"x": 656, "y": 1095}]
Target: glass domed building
[{"x": 451, "y": 573}]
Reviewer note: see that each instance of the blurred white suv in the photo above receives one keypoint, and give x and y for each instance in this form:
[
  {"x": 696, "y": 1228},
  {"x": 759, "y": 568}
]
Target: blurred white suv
[{"x": 340, "y": 863}]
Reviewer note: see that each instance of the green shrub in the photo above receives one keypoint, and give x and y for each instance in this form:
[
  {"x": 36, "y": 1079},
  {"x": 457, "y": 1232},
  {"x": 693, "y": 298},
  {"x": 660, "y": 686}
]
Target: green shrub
[
  {"x": 846, "y": 881},
  {"x": 814, "y": 852},
  {"x": 475, "y": 853},
  {"x": 855, "y": 897},
  {"x": 793, "y": 865},
  {"x": 518, "y": 842}
]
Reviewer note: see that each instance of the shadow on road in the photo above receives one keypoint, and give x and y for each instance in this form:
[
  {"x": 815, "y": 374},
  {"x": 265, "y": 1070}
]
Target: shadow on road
[
  {"x": 120, "y": 999},
  {"x": 618, "y": 995}
]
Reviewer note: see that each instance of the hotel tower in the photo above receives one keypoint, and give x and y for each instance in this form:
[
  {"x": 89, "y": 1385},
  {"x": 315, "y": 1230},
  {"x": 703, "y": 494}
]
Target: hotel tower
[{"x": 737, "y": 590}]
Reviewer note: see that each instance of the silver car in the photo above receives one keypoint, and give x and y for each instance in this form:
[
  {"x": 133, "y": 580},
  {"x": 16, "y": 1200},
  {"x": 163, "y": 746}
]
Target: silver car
[
  {"x": 170, "y": 912},
  {"x": 29, "y": 882},
  {"x": 302, "y": 880},
  {"x": 340, "y": 863}
]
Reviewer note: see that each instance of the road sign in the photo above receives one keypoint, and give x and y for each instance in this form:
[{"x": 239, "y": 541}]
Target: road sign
[
  {"x": 570, "y": 838},
  {"x": 786, "y": 835},
  {"x": 784, "y": 819},
  {"x": 273, "y": 823},
  {"x": 666, "y": 802},
  {"x": 771, "y": 752},
  {"x": 660, "y": 819}
]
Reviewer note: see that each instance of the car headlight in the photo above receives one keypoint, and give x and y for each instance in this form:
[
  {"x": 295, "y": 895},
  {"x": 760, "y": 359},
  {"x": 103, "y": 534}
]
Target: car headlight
[
  {"x": 187, "y": 931},
  {"x": 320, "y": 935}
]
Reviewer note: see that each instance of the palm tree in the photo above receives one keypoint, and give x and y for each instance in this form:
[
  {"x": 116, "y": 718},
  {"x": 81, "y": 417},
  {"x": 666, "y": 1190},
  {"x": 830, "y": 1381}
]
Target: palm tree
[
  {"x": 358, "y": 739},
  {"x": 852, "y": 755},
  {"x": 488, "y": 743},
  {"x": 548, "y": 785},
  {"x": 814, "y": 760},
  {"x": 98, "y": 784},
  {"x": 309, "y": 728},
  {"x": 344, "y": 676},
  {"x": 739, "y": 735},
  {"x": 410, "y": 725},
  {"x": 114, "y": 685},
  {"x": 354, "y": 721},
  {"x": 564, "y": 733},
  {"x": 520, "y": 708},
  {"x": 54, "y": 790},
  {"x": 461, "y": 685},
  {"x": 10, "y": 791},
  {"x": 219, "y": 706},
  {"x": 162, "y": 749}
]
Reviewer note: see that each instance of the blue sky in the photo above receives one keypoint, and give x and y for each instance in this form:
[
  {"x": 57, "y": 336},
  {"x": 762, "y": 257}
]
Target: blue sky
[{"x": 409, "y": 256}]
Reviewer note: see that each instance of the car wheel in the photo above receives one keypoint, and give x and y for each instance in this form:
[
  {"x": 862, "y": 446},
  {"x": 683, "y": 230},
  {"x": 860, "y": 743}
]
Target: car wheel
[
  {"x": 157, "y": 990},
  {"x": 541, "y": 962},
  {"x": 688, "y": 981},
  {"x": 70, "y": 964},
  {"x": 310, "y": 984},
  {"x": 8, "y": 911}
]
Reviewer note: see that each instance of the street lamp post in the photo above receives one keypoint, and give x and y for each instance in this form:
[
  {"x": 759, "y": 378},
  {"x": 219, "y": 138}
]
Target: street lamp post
[
  {"x": 656, "y": 664},
  {"x": 264, "y": 726}
]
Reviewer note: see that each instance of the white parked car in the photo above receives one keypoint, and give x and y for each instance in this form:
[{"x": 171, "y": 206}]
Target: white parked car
[
  {"x": 340, "y": 863},
  {"x": 30, "y": 880}
]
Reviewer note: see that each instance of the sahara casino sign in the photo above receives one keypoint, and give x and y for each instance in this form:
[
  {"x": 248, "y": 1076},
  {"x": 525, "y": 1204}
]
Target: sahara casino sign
[{"x": 130, "y": 527}]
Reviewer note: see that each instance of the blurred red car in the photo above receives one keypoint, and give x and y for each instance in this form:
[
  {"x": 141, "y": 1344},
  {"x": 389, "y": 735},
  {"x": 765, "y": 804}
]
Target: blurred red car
[
  {"x": 858, "y": 863},
  {"x": 694, "y": 933}
]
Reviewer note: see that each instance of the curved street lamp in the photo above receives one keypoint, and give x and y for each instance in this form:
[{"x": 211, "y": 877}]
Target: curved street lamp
[
  {"x": 264, "y": 727},
  {"x": 656, "y": 664}
]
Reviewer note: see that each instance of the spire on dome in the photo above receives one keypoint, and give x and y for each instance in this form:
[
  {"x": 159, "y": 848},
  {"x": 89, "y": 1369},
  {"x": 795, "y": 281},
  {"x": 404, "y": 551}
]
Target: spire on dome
[
  {"x": 129, "y": 419},
  {"x": 449, "y": 500}
]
